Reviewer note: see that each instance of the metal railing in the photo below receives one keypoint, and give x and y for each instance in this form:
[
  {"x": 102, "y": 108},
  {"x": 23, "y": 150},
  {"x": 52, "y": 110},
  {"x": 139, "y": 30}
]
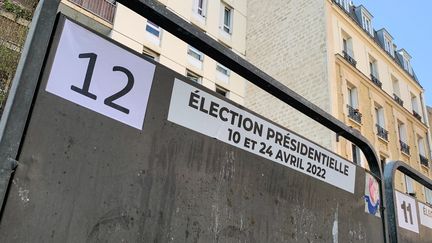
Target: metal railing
[
  {"x": 381, "y": 132},
  {"x": 423, "y": 160},
  {"x": 417, "y": 115},
  {"x": 376, "y": 81},
  {"x": 404, "y": 147},
  {"x": 354, "y": 114},
  {"x": 349, "y": 58},
  {"x": 101, "y": 8},
  {"x": 398, "y": 100}
]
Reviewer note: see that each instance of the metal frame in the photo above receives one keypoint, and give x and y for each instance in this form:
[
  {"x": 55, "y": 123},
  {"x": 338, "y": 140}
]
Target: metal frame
[
  {"x": 389, "y": 176},
  {"x": 20, "y": 99},
  {"x": 18, "y": 106}
]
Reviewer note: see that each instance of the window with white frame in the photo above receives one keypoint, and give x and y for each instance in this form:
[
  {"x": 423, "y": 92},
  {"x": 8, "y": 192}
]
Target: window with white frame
[
  {"x": 195, "y": 57},
  {"x": 347, "y": 44},
  {"x": 409, "y": 185},
  {"x": 402, "y": 132},
  {"x": 414, "y": 103},
  {"x": 373, "y": 67},
  {"x": 407, "y": 64},
  {"x": 388, "y": 45},
  {"x": 153, "y": 32},
  {"x": 222, "y": 73},
  {"x": 344, "y": 4},
  {"x": 153, "y": 28},
  {"x": 227, "y": 14},
  {"x": 194, "y": 77},
  {"x": 428, "y": 195},
  {"x": 367, "y": 24},
  {"x": 200, "y": 8},
  {"x": 379, "y": 116},
  {"x": 352, "y": 96},
  {"x": 421, "y": 146},
  {"x": 396, "y": 88}
]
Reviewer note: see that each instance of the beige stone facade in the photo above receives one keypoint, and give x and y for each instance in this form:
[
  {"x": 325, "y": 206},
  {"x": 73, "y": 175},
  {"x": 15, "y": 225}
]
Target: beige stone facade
[{"x": 329, "y": 53}]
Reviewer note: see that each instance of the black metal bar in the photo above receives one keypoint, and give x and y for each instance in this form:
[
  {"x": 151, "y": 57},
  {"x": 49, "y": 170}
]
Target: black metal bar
[
  {"x": 18, "y": 105},
  {"x": 389, "y": 176},
  {"x": 174, "y": 24}
]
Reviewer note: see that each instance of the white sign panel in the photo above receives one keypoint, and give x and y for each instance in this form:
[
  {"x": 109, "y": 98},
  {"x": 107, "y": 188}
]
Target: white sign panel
[
  {"x": 407, "y": 212},
  {"x": 425, "y": 213},
  {"x": 95, "y": 73},
  {"x": 198, "y": 110}
]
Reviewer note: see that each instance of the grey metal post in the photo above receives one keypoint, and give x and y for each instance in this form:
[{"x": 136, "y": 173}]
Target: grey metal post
[
  {"x": 18, "y": 105},
  {"x": 389, "y": 176}
]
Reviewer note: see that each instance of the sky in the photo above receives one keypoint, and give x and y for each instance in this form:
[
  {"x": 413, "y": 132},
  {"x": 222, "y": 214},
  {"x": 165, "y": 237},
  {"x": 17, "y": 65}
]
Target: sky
[{"x": 410, "y": 24}]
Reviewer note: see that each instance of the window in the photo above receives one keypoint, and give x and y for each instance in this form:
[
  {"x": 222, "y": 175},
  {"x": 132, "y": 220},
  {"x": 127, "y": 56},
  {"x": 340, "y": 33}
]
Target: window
[
  {"x": 409, "y": 184},
  {"x": 195, "y": 53},
  {"x": 153, "y": 29},
  {"x": 367, "y": 24},
  {"x": 379, "y": 116},
  {"x": 352, "y": 97},
  {"x": 150, "y": 54},
  {"x": 414, "y": 103},
  {"x": 383, "y": 162},
  {"x": 407, "y": 65},
  {"x": 428, "y": 195},
  {"x": 388, "y": 45},
  {"x": 344, "y": 4},
  {"x": 396, "y": 89},
  {"x": 402, "y": 132},
  {"x": 347, "y": 45},
  {"x": 200, "y": 7},
  {"x": 355, "y": 151},
  {"x": 222, "y": 91},
  {"x": 421, "y": 146},
  {"x": 373, "y": 66},
  {"x": 194, "y": 77},
  {"x": 195, "y": 57},
  {"x": 222, "y": 73},
  {"x": 227, "y": 18}
]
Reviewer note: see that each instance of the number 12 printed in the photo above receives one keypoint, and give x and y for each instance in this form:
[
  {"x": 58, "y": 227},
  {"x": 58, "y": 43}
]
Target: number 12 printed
[{"x": 95, "y": 73}]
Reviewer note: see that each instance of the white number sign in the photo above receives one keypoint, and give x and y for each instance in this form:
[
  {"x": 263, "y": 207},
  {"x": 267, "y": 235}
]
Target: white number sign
[
  {"x": 101, "y": 76},
  {"x": 407, "y": 212}
]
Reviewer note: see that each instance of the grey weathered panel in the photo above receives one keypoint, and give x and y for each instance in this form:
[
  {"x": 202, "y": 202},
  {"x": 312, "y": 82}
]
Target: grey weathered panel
[{"x": 84, "y": 177}]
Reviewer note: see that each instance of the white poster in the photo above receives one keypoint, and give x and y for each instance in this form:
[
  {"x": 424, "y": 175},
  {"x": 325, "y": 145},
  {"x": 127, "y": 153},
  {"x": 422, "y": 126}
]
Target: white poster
[
  {"x": 406, "y": 212},
  {"x": 202, "y": 112},
  {"x": 99, "y": 75},
  {"x": 425, "y": 213}
]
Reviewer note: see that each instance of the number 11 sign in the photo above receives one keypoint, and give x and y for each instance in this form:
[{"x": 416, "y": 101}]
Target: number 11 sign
[
  {"x": 101, "y": 76},
  {"x": 407, "y": 212}
]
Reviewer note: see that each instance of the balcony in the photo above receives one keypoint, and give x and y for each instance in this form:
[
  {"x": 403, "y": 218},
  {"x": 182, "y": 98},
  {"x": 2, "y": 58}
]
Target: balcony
[
  {"x": 354, "y": 114},
  {"x": 104, "y": 9},
  {"x": 381, "y": 132},
  {"x": 398, "y": 100},
  {"x": 376, "y": 81},
  {"x": 423, "y": 160},
  {"x": 404, "y": 147},
  {"x": 417, "y": 115},
  {"x": 349, "y": 58}
]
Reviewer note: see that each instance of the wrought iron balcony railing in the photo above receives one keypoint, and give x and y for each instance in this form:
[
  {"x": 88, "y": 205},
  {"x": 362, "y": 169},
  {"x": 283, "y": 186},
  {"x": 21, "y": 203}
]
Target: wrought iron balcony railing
[
  {"x": 423, "y": 160},
  {"x": 381, "y": 132},
  {"x": 404, "y": 147},
  {"x": 102, "y": 8},
  {"x": 349, "y": 58},
  {"x": 376, "y": 81},
  {"x": 417, "y": 115},
  {"x": 398, "y": 100},
  {"x": 354, "y": 114}
]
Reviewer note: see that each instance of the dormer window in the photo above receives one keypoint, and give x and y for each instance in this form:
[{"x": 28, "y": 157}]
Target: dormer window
[
  {"x": 406, "y": 58},
  {"x": 367, "y": 25},
  {"x": 366, "y": 19},
  {"x": 388, "y": 45}
]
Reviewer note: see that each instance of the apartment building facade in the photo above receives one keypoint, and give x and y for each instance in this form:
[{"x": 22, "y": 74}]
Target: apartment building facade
[
  {"x": 223, "y": 20},
  {"x": 331, "y": 54}
]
